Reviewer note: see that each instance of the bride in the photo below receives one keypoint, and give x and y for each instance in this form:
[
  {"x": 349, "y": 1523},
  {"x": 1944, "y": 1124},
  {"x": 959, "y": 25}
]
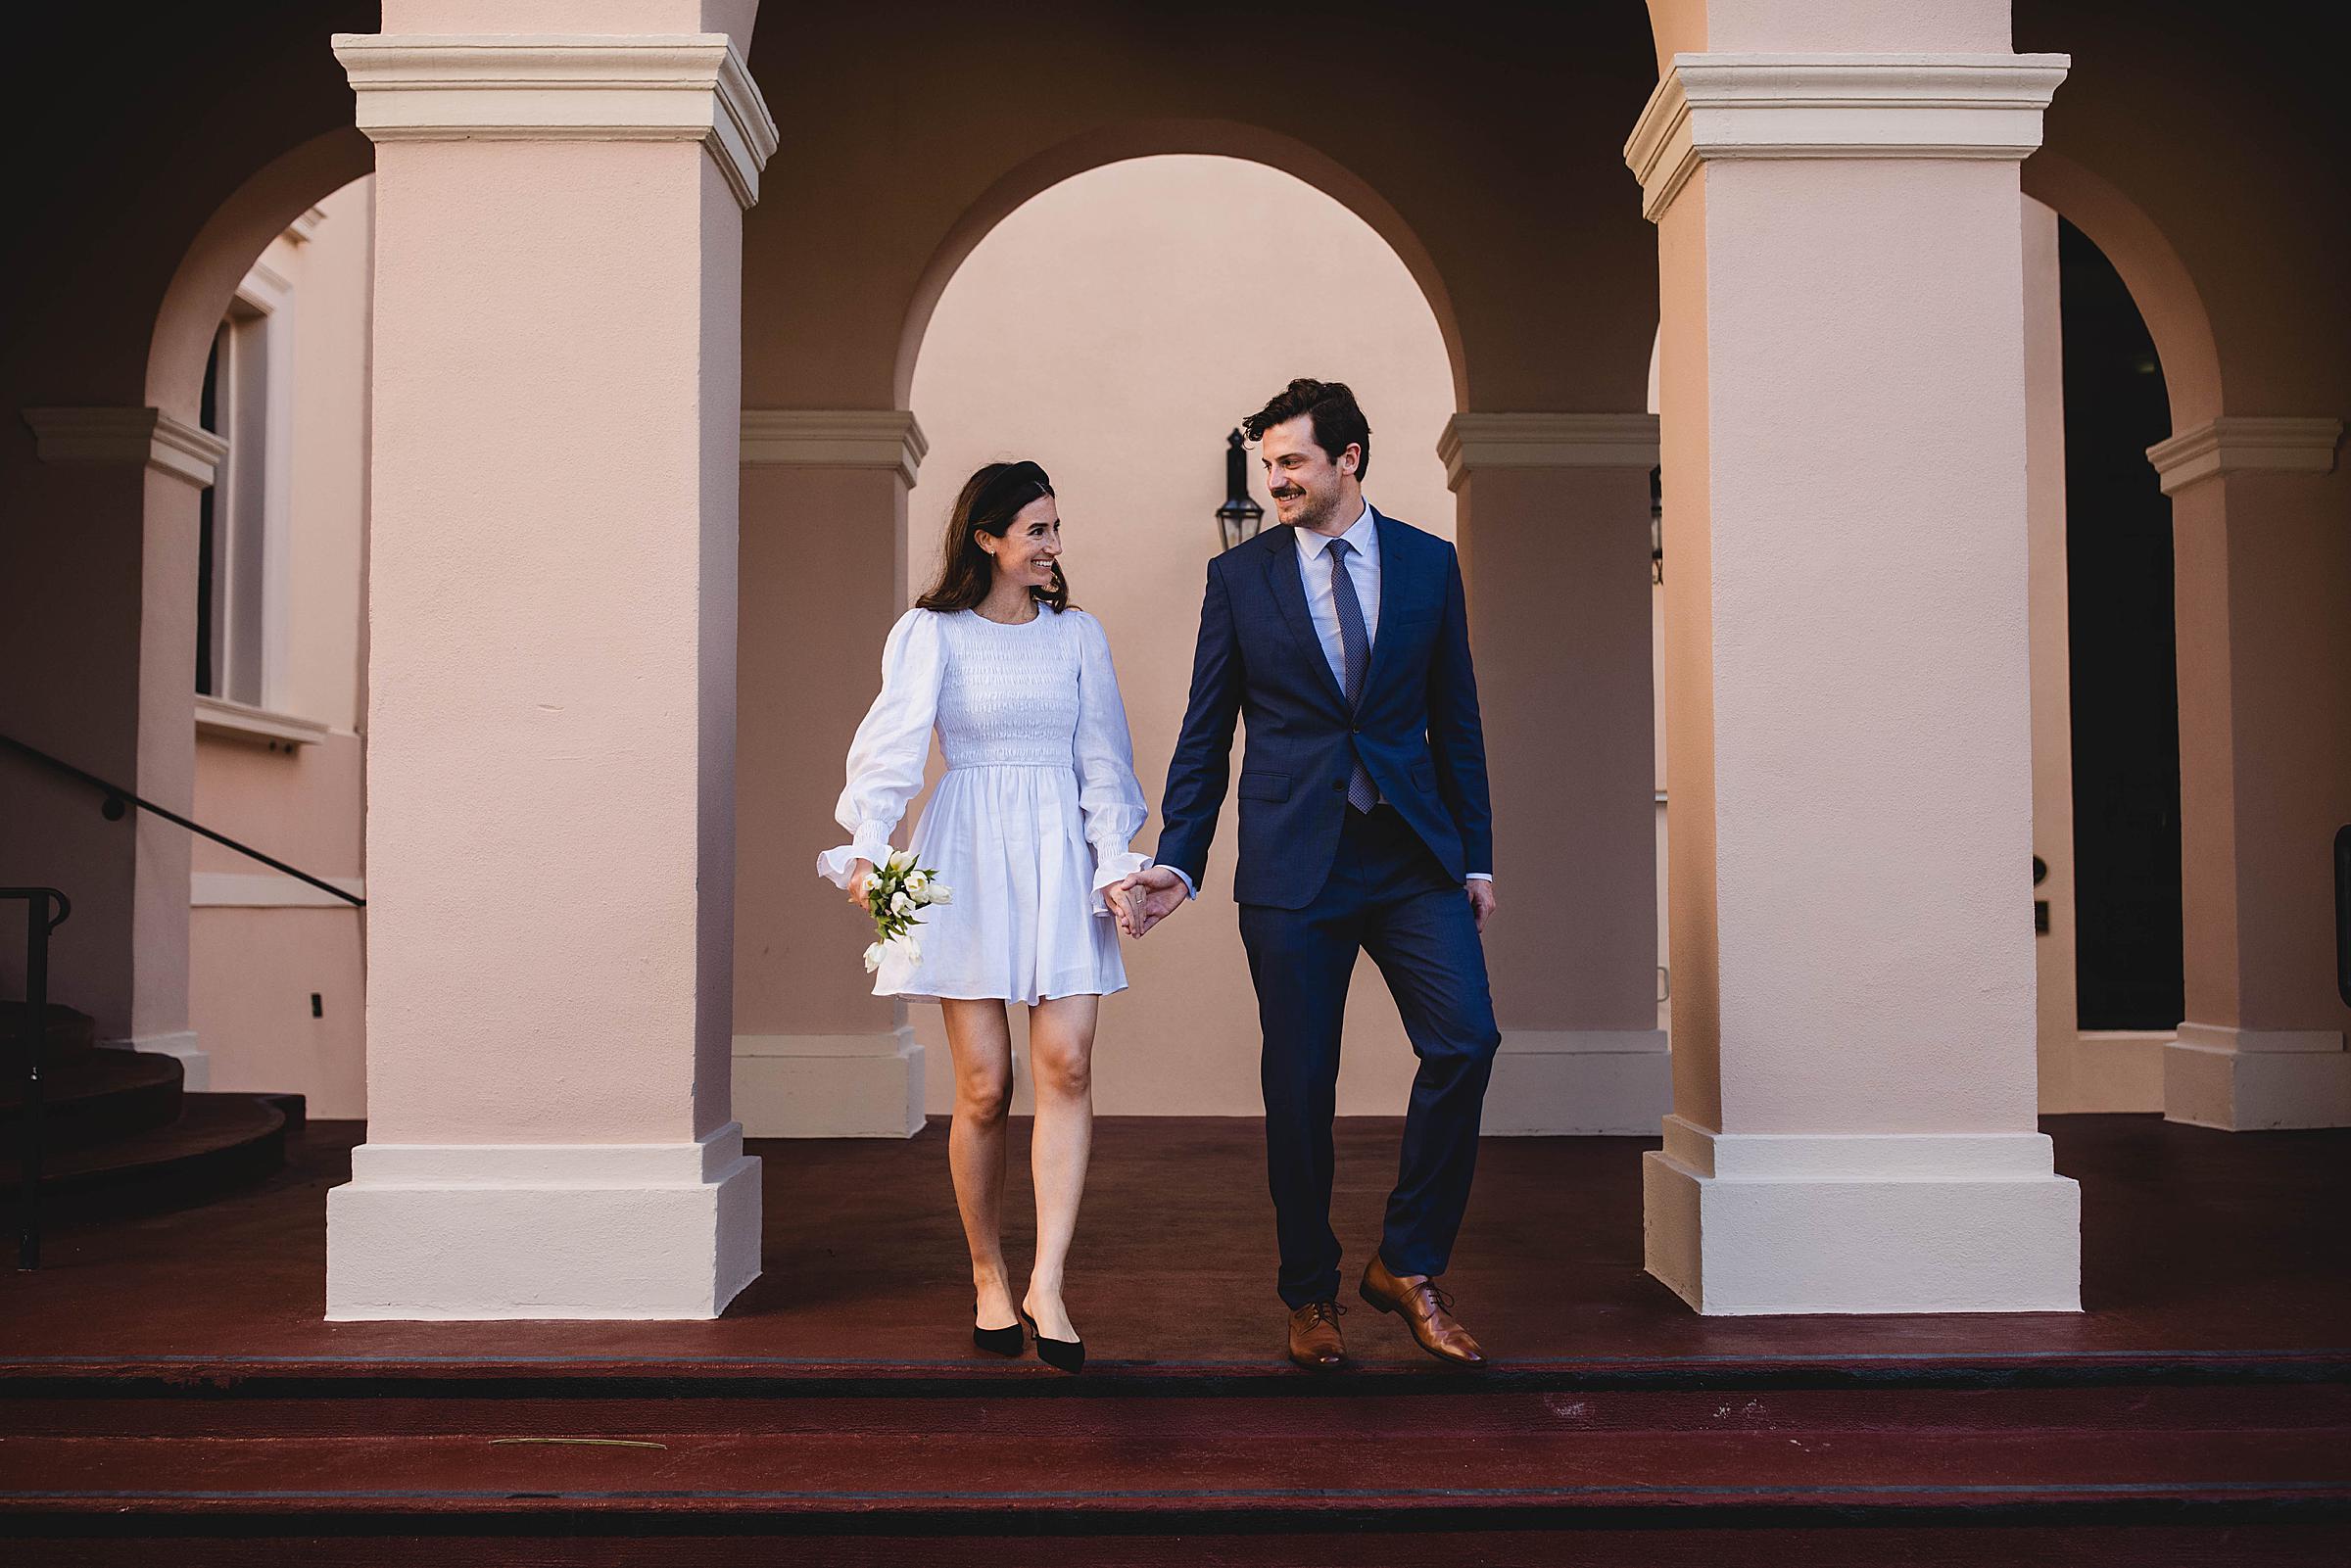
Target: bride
[{"x": 1028, "y": 827}]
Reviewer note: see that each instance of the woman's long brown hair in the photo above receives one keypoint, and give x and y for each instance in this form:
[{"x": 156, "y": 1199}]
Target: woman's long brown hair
[{"x": 990, "y": 499}]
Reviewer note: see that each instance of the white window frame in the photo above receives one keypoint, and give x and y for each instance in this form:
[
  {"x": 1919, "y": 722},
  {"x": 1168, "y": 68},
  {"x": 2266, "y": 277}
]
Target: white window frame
[{"x": 252, "y": 494}]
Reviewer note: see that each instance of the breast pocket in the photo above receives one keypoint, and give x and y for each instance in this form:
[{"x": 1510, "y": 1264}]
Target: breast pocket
[{"x": 1265, "y": 787}]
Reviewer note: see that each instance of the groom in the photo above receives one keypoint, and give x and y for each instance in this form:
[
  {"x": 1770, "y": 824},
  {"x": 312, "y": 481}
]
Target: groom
[{"x": 1364, "y": 826}]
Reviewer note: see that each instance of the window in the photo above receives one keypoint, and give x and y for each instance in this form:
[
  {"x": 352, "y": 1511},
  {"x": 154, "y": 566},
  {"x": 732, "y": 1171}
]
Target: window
[{"x": 241, "y": 534}]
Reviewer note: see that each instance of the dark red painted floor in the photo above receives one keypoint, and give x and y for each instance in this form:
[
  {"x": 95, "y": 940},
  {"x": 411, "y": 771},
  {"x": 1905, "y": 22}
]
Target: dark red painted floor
[{"x": 2195, "y": 1243}]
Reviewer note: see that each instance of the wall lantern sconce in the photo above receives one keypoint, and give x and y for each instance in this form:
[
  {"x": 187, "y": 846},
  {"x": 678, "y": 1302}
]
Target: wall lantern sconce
[
  {"x": 1240, "y": 517},
  {"x": 1656, "y": 525}
]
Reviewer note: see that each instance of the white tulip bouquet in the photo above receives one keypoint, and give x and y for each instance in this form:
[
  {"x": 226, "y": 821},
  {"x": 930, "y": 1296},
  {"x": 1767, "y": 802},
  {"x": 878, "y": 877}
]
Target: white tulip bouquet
[{"x": 895, "y": 892}]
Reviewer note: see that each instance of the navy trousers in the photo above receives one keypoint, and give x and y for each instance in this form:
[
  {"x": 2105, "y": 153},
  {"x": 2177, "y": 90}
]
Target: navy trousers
[{"x": 1387, "y": 896}]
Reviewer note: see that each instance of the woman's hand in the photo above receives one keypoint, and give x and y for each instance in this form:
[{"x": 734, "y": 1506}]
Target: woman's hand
[{"x": 858, "y": 873}]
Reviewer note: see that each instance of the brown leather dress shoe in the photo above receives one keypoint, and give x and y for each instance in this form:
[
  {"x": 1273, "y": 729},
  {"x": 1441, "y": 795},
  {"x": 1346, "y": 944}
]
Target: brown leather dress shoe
[
  {"x": 1427, "y": 1309},
  {"x": 1316, "y": 1343}
]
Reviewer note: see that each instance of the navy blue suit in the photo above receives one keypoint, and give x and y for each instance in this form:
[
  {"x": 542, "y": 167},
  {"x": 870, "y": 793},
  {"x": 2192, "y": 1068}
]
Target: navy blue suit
[{"x": 1318, "y": 881}]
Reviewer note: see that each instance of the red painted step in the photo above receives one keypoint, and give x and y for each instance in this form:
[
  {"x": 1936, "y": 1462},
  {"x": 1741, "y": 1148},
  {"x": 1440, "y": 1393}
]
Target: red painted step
[{"x": 216, "y": 1140}]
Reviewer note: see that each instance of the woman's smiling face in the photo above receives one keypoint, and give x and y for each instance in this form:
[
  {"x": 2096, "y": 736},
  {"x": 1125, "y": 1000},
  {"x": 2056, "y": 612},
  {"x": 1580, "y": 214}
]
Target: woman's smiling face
[{"x": 1029, "y": 547}]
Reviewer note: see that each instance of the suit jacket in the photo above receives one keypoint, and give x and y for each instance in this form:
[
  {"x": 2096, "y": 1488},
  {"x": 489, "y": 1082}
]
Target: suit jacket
[{"x": 1417, "y": 727}]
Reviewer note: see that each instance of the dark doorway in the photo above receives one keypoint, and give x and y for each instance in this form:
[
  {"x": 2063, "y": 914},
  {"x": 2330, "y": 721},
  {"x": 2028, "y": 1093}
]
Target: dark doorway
[{"x": 2126, "y": 741}]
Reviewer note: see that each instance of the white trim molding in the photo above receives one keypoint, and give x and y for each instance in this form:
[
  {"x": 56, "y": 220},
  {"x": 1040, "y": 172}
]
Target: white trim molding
[
  {"x": 266, "y": 889},
  {"x": 1579, "y": 1083},
  {"x": 483, "y": 1231},
  {"x": 306, "y": 227},
  {"x": 834, "y": 438},
  {"x": 1713, "y": 106},
  {"x": 242, "y": 720},
  {"x": 1471, "y": 442},
  {"x": 2247, "y": 1081},
  {"x": 2236, "y": 444},
  {"x": 690, "y": 86},
  {"x": 830, "y": 1085},
  {"x": 147, "y": 436},
  {"x": 1751, "y": 1224}
]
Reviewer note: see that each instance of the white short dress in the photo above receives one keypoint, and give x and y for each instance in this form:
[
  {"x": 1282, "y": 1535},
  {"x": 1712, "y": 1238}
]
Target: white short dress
[{"x": 1033, "y": 817}]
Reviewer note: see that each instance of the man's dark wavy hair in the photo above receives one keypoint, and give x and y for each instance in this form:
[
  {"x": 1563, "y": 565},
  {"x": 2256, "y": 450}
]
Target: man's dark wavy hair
[{"x": 1338, "y": 422}]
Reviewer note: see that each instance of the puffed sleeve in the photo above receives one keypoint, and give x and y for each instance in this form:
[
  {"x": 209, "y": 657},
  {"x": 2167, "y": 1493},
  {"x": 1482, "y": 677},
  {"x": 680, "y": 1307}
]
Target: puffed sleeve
[
  {"x": 1109, "y": 798},
  {"x": 885, "y": 759}
]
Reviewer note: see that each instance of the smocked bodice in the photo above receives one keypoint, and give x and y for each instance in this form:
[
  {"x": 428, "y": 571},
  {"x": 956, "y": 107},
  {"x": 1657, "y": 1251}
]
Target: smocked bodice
[{"x": 1008, "y": 695}]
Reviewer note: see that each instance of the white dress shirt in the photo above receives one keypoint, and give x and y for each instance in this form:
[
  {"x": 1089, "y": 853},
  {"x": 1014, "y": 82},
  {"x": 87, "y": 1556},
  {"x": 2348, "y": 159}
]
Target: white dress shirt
[{"x": 1363, "y": 570}]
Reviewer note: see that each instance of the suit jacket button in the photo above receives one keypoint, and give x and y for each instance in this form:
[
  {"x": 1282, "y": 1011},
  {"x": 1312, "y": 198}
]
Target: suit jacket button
[{"x": 1338, "y": 787}]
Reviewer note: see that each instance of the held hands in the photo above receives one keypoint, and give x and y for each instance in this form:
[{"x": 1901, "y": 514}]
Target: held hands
[{"x": 1144, "y": 899}]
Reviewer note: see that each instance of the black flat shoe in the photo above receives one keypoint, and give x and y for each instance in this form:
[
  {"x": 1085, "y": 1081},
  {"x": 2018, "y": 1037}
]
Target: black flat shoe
[
  {"x": 1007, "y": 1341},
  {"x": 1067, "y": 1354}
]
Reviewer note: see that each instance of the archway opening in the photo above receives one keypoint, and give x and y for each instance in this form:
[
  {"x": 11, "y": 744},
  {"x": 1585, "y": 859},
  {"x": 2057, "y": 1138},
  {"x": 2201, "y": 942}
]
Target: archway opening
[
  {"x": 2123, "y": 655},
  {"x": 1115, "y": 328}
]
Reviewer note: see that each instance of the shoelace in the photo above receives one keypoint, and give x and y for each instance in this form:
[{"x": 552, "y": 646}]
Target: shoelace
[
  {"x": 1442, "y": 1298},
  {"x": 1326, "y": 1313}
]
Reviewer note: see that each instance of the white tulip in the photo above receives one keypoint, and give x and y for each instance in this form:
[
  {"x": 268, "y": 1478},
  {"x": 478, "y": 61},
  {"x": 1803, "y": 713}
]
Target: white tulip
[
  {"x": 899, "y": 903},
  {"x": 873, "y": 958},
  {"x": 940, "y": 893}
]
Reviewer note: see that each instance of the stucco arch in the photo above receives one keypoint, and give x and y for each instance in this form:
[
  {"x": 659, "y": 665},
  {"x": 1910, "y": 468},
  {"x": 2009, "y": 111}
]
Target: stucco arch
[
  {"x": 1120, "y": 143},
  {"x": 2160, "y": 285},
  {"x": 224, "y": 248}
]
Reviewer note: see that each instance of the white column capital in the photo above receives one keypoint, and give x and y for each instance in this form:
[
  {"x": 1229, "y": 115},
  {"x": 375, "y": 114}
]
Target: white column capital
[
  {"x": 690, "y": 86},
  {"x": 834, "y": 438},
  {"x": 2243, "y": 444},
  {"x": 145, "y": 436},
  {"x": 1474, "y": 441},
  {"x": 1770, "y": 105}
]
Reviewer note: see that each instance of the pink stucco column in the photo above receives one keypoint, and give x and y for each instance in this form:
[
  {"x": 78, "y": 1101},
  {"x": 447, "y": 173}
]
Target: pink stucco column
[
  {"x": 817, "y": 1055},
  {"x": 2262, "y": 568},
  {"x": 1847, "y": 697},
  {"x": 551, "y": 574},
  {"x": 106, "y": 650},
  {"x": 1553, "y": 515}
]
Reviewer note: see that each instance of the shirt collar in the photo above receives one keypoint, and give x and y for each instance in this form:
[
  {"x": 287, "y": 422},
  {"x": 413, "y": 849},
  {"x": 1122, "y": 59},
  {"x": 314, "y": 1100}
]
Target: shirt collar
[{"x": 1363, "y": 534}]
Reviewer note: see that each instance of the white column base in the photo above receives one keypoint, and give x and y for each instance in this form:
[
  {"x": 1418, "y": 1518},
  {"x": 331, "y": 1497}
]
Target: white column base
[
  {"x": 478, "y": 1231},
  {"x": 2247, "y": 1081},
  {"x": 1741, "y": 1223},
  {"x": 196, "y": 1062},
  {"x": 829, "y": 1086},
  {"x": 1579, "y": 1082}
]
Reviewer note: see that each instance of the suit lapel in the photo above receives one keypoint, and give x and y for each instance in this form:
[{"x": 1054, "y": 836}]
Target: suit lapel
[
  {"x": 1395, "y": 584},
  {"x": 1285, "y": 574}
]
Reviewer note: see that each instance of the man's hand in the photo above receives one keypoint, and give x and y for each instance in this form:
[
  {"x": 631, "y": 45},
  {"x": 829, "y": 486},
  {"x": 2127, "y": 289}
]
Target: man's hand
[
  {"x": 1146, "y": 898},
  {"x": 1481, "y": 902}
]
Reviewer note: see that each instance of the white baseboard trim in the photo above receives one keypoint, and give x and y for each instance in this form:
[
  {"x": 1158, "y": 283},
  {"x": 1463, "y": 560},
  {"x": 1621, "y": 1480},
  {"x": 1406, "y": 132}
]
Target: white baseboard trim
[
  {"x": 829, "y": 1086},
  {"x": 1579, "y": 1083},
  {"x": 2256, "y": 1080},
  {"x": 475, "y": 1232},
  {"x": 194, "y": 1061},
  {"x": 1755, "y": 1223}
]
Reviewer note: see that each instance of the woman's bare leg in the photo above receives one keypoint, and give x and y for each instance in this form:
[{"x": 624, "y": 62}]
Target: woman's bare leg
[
  {"x": 1060, "y": 1055},
  {"x": 981, "y": 1043}
]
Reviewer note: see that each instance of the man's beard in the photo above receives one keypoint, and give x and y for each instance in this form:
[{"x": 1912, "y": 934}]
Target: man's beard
[{"x": 1317, "y": 510}]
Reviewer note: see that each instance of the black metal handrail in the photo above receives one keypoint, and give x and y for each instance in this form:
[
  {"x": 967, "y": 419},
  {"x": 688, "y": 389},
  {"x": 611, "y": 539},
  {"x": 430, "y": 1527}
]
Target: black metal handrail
[
  {"x": 118, "y": 800},
  {"x": 38, "y": 924}
]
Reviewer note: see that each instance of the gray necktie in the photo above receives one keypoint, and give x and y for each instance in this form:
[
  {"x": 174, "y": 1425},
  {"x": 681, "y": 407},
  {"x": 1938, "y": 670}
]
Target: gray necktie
[{"x": 1354, "y": 645}]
